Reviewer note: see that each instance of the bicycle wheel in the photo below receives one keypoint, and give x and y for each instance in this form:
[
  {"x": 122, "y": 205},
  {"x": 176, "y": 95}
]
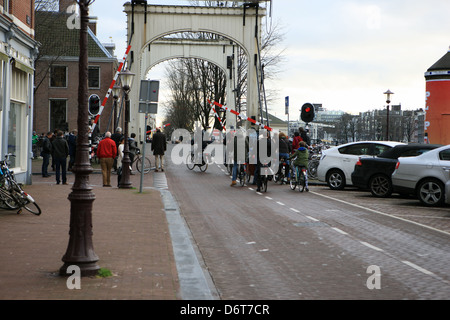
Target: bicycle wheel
[
  {"x": 312, "y": 169},
  {"x": 190, "y": 164},
  {"x": 7, "y": 201},
  {"x": 302, "y": 181},
  {"x": 31, "y": 205},
  {"x": 264, "y": 184},
  {"x": 147, "y": 164},
  {"x": 203, "y": 166},
  {"x": 293, "y": 181},
  {"x": 242, "y": 175}
]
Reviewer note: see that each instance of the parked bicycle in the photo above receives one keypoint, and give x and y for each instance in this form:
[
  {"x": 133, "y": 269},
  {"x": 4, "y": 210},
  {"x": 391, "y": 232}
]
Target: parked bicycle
[
  {"x": 12, "y": 195},
  {"x": 315, "y": 153},
  {"x": 137, "y": 162}
]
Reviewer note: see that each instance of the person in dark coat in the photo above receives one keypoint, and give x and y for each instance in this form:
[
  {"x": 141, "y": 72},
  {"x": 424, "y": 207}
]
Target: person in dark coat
[
  {"x": 159, "y": 146},
  {"x": 60, "y": 153},
  {"x": 46, "y": 154},
  {"x": 117, "y": 137},
  {"x": 72, "y": 141}
]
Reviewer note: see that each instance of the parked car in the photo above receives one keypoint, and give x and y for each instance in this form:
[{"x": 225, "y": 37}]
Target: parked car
[
  {"x": 374, "y": 173},
  {"x": 337, "y": 163},
  {"x": 424, "y": 176}
]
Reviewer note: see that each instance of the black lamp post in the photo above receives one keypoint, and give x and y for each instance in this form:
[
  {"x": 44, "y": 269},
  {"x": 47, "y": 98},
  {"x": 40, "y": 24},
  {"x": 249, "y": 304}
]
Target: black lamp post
[
  {"x": 80, "y": 250},
  {"x": 388, "y": 101},
  {"x": 126, "y": 78}
]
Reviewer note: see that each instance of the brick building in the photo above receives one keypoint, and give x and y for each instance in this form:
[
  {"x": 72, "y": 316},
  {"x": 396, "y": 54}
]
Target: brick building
[
  {"x": 56, "y": 78},
  {"x": 18, "y": 51}
]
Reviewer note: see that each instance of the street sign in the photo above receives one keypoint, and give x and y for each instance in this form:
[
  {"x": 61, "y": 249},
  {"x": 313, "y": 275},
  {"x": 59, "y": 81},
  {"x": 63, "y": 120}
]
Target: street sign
[
  {"x": 149, "y": 91},
  {"x": 148, "y": 107},
  {"x": 286, "y": 104},
  {"x": 148, "y": 96}
]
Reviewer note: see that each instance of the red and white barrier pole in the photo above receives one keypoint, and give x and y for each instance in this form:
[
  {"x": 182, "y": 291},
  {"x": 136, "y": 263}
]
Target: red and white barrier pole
[
  {"x": 242, "y": 116},
  {"x": 108, "y": 93},
  {"x": 154, "y": 130}
]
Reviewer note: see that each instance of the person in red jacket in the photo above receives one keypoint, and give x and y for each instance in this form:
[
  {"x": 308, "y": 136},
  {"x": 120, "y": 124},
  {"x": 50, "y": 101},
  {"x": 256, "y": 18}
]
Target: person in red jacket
[
  {"x": 296, "y": 141},
  {"x": 106, "y": 152}
]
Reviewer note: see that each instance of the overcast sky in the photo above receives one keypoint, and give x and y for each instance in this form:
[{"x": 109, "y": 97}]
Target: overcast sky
[{"x": 342, "y": 53}]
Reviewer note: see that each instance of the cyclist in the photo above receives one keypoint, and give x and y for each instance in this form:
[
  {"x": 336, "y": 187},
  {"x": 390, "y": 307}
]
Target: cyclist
[
  {"x": 285, "y": 150},
  {"x": 301, "y": 160}
]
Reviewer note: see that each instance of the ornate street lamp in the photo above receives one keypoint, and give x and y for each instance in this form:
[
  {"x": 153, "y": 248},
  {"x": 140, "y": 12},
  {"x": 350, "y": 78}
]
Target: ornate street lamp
[
  {"x": 80, "y": 250},
  {"x": 126, "y": 78},
  {"x": 388, "y": 101}
]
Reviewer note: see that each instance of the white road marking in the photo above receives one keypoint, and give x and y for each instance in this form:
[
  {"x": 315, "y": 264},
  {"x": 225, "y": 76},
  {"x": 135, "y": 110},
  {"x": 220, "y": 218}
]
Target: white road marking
[
  {"x": 371, "y": 246},
  {"x": 417, "y": 267},
  {"x": 340, "y": 231}
]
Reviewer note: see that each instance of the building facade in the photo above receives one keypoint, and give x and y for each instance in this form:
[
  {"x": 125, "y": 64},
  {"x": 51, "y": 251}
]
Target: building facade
[
  {"x": 18, "y": 51},
  {"x": 56, "y": 80},
  {"x": 437, "y": 107}
]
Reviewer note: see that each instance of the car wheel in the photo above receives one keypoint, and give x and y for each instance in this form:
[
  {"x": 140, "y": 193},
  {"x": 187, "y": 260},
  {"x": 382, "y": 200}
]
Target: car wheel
[
  {"x": 380, "y": 186},
  {"x": 431, "y": 192},
  {"x": 336, "y": 180}
]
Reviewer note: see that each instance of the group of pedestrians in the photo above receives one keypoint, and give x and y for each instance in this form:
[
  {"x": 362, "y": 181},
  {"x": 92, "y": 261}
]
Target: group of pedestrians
[
  {"x": 110, "y": 151},
  {"x": 56, "y": 147}
]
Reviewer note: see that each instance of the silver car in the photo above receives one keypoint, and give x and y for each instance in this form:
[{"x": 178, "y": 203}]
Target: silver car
[{"x": 425, "y": 176}]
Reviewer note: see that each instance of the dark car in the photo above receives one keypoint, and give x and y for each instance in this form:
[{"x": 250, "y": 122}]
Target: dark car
[{"x": 374, "y": 173}]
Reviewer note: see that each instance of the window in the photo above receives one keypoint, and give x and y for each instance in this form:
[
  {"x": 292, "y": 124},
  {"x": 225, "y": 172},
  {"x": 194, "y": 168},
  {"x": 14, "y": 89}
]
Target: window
[
  {"x": 58, "y": 115},
  {"x": 16, "y": 129},
  {"x": 380, "y": 148},
  {"x": 414, "y": 152},
  {"x": 445, "y": 155},
  {"x": 94, "y": 77},
  {"x": 58, "y": 76},
  {"x": 356, "y": 149}
]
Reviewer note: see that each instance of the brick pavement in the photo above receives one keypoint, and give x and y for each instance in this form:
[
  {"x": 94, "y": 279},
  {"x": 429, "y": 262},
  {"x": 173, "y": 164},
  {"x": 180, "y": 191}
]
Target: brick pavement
[{"x": 130, "y": 236}]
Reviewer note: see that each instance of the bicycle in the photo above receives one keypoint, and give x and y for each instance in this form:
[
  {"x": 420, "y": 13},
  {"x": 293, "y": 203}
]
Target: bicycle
[
  {"x": 11, "y": 192},
  {"x": 191, "y": 164},
  {"x": 264, "y": 178},
  {"x": 313, "y": 164},
  {"x": 242, "y": 174},
  {"x": 281, "y": 174},
  {"x": 299, "y": 177},
  {"x": 137, "y": 161}
]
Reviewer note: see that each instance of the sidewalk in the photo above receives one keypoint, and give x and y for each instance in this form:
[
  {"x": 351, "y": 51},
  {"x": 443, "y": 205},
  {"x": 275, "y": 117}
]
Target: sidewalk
[{"x": 130, "y": 236}]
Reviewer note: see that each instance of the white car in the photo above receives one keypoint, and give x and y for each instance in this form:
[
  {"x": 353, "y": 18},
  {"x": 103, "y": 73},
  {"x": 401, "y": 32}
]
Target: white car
[
  {"x": 337, "y": 164},
  {"x": 424, "y": 176}
]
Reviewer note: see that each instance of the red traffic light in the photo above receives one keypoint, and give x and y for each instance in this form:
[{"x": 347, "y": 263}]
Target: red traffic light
[{"x": 307, "y": 112}]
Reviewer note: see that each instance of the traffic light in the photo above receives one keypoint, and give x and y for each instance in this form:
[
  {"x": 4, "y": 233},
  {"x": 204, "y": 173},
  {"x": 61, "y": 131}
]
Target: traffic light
[
  {"x": 307, "y": 112},
  {"x": 94, "y": 105}
]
